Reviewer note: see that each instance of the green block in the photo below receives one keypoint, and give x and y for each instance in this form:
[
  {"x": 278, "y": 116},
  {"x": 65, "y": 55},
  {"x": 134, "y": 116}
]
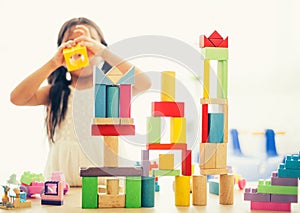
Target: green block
[
  {"x": 265, "y": 187},
  {"x": 112, "y": 101},
  {"x": 162, "y": 172},
  {"x": 215, "y": 53},
  {"x": 89, "y": 192},
  {"x": 154, "y": 129},
  {"x": 222, "y": 85},
  {"x": 148, "y": 192},
  {"x": 133, "y": 198}
]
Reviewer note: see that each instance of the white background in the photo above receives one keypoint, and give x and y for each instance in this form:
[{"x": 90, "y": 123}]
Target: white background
[{"x": 263, "y": 68}]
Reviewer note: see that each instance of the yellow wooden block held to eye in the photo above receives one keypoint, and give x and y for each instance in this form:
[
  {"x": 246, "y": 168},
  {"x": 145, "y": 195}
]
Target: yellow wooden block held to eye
[{"x": 76, "y": 57}]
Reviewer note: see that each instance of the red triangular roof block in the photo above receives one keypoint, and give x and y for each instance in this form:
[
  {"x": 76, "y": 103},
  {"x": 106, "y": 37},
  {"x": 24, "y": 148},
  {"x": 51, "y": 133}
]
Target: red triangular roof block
[
  {"x": 205, "y": 42},
  {"x": 216, "y": 41},
  {"x": 224, "y": 43},
  {"x": 215, "y": 34}
]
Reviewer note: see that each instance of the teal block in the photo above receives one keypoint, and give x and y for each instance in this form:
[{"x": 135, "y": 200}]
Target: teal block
[
  {"x": 112, "y": 101},
  {"x": 100, "y": 77},
  {"x": 133, "y": 191},
  {"x": 215, "y": 53},
  {"x": 288, "y": 173},
  {"x": 292, "y": 162},
  {"x": 128, "y": 78},
  {"x": 157, "y": 187},
  {"x": 153, "y": 129},
  {"x": 214, "y": 187},
  {"x": 265, "y": 187},
  {"x": 148, "y": 191},
  {"x": 100, "y": 101},
  {"x": 89, "y": 192},
  {"x": 215, "y": 127}
]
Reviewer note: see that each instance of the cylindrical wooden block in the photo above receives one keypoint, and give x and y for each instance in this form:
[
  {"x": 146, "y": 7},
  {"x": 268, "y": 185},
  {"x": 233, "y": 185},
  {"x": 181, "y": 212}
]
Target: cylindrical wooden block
[
  {"x": 112, "y": 186},
  {"x": 111, "y": 150},
  {"x": 148, "y": 193},
  {"x": 182, "y": 190},
  {"x": 199, "y": 190},
  {"x": 168, "y": 86},
  {"x": 226, "y": 189}
]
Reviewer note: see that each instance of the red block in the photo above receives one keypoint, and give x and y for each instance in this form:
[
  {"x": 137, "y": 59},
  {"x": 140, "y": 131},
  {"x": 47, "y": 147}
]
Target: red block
[
  {"x": 125, "y": 99},
  {"x": 215, "y": 34},
  {"x": 170, "y": 146},
  {"x": 112, "y": 130},
  {"x": 169, "y": 109},
  {"x": 216, "y": 41},
  {"x": 224, "y": 43},
  {"x": 204, "y": 123},
  {"x": 205, "y": 42},
  {"x": 270, "y": 206},
  {"x": 186, "y": 165}
]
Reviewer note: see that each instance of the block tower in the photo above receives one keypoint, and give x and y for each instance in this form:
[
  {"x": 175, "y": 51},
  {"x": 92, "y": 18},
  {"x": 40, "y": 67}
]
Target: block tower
[
  {"x": 278, "y": 193},
  {"x": 168, "y": 107},
  {"x": 112, "y": 119},
  {"x": 213, "y": 146}
]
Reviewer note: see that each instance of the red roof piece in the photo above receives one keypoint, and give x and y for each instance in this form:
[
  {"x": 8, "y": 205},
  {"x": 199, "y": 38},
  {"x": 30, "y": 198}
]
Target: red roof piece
[
  {"x": 205, "y": 42},
  {"x": 216, "y": 41},
  {"x": 224, "y": 43},
  {"x": 215, "y": 34}
]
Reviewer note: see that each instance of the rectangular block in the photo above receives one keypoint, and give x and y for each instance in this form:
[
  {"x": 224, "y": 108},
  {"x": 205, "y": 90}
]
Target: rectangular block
[
  {"x": 215, "y": 53},
  {"x": 111, "y": 201},
  {"x": 110, "y": 171},
  {"x": 100, "y": 101},
  {"x": 221, "y": 156},
  {"x": 168, "y": 86},
  {"x": 166, "y": 161},
  {"x": 133, "y": 192},
  {"x": 89, "y": 193},
  {"x": 168, "y": 109},
  {"x": 111, "y": 151},
  {"x": 292, "y": 162},
  {"x": 204, "y": 123},
  {"x": 214, "y": 186},
  {"x": 284, "y": 198},
  {"x": 112, "y": 101},
  {"x": 174, "y": 172},
  {"x": 100, "y": 77},
  {"x": 112, "y": 130},
  {"x": 215, "y": 127},
  {"x": 125, "y": 100},
  {"x": 112, "y": 186},
  {"x": 174, "y": 146},
  {"x": 206, "y": 79},
  {"x": 252, "y": 195},
  {"x": 213, "y": 155},
  {"x": 104, "y": 121},
  {"x": 182, "y": 190},
  {"x": 213, "y": 171},
  {"x": 154, "y": 129},
  {"x": 178, "y": 130},
  {"x": 288, "y": 173},
  {"x": 128, "y": 77},
  {"x": 277, "y": 181},
  {"x": 186, "y": 164},
  {"x": 148, "y": 193},
  {"x": 145, "y": 162},
  {"x": 266, "y": 188},
  {"x": 270, "y": 206},
  {"x": 125, "y": 121},
  {"x": 220, "y": 101}
]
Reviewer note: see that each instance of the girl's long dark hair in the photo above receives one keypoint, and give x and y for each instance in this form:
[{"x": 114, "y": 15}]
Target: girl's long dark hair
[{"x": 60, "y": 91}]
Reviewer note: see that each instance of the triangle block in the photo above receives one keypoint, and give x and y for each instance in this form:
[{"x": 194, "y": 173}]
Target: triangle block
[
  {"x": 100, "y": 77},
  {"x": 128, "y": 77},
  {"x": 224, "y": 43},
  {"x": 205, "y": 42},
  {"x": 114, "y": 74},
  {"x": 215, "y": 34},
  {"x": 216, "y": 41}
]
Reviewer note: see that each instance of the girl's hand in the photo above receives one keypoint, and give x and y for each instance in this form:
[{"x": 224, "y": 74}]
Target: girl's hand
[{"x": 58, "y": 59}]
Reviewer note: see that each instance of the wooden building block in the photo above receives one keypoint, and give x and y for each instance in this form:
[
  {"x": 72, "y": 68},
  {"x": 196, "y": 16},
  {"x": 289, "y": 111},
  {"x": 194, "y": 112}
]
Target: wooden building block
[
  {"x": 224, "y": 67},
  {"x": 215, "y": 127},
  {"x": 148, "y": 193},
  {"x": 109, "y": 121},
  {"x": 182, "y": 190},
  {"x": 72, "y": 61},
  {"x": 168, "y": 86},
  {"x": 178, "y": 130},
  {"x": 168, "y": 109},
  {"x": 145, "y": 162},
  {"x": 215, "y": 35},
  {"x": 125, "y": 100},
  {"x": 204, "y": 123},
  {"x": 221, "y": 156},
  {"x": 226, "y": 189},
  {"x": 214, "y": 186},
  {"x": 208, "y": 155},
  {"x": 215, "y": 53},
  {"x": 114, "y": 74},
  {"x": 133, "y": 192},
  {"x": 225, "y": 134},
  {"x": 213, "y": 171},
  {"x": 216, "y": 41},
  {"x": 100, "y": 101},
  {"x": 112, "y": 101},
  {"x": 100, "y": 77},
  {"x": 270, "y": 206},
  {"x": 18, "y": 204},
  {"x": 110, "y": 171},
  {"x": 111, "y": 151},
  {"x": 220, "y": 101},
  {"x": 206, "y": 78},
  {"x": 89, "y": 193},
  {"x": 126, "y": 121},
  {"x": 174, "y": 146},
  {"x": 165, "y": 172},
  {"x": 112, "y": 186},
  {"x": 224, "y": 43},
  {"x": 205, "y": 42},
  {"x": 199, "y": 190},
  {"x": 128, "y": 77},
  {"x": 111, "y": 201},
  {"x": 166, "y": 161},
  {"x": 112, "y": 130},
  {"x": 154, "y": 129},
  {"x": 186, "y": 164}
]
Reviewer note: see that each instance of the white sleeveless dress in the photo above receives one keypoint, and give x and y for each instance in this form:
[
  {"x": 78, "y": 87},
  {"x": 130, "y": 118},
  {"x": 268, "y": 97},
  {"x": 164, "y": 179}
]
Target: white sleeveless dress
[{"x": 74, "y": 146}]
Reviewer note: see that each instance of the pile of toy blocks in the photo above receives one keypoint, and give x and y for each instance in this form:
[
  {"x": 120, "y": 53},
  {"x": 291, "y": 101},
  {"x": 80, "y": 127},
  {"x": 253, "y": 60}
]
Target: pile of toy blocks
[{"x": 280, "y": 191}]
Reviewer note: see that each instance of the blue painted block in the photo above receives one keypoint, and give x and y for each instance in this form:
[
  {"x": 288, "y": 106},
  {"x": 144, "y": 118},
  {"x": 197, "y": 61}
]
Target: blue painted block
[
  {"x": 148, "y": 191},
  {"x": 100, "y": 101},
  {"x": 215, "y": 127},
  {"x": 292, "y": 162},
  {"x": 128, "y": 78},
  {"x": 112, "y": 101},
  {"x": 288, "y": 173},
  {"x": 157, "y": 187},
  {"x": 214, "y": 186},
  {"x": 100, "y": 77}
]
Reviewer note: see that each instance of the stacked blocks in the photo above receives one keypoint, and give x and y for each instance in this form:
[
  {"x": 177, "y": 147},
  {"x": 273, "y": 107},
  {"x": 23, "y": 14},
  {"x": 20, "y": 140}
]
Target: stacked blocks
[
  {"x": 213, "y": 147},
  {"x": 280, "y": 191}
]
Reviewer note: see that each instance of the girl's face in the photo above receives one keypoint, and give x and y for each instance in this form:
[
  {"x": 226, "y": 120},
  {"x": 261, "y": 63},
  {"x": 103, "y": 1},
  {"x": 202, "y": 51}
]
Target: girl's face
[{"x": 71, "y": 35}]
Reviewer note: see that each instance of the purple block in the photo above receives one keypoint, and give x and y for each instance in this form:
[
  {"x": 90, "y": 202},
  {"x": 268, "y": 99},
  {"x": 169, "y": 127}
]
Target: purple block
[
  {"x": 252, "y": 195},
  {"x": 284, "y": 198},
  {"x": 145, "y": 162},
  {"x": 277, "y": 181}
]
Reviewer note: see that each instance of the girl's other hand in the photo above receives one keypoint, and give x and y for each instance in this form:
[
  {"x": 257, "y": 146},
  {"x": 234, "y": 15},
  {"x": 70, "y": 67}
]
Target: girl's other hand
[{"x": 58, "y": 59}]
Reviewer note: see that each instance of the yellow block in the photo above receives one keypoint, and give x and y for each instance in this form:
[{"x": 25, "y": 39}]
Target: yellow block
[
  {"x": 114, "y": 74},
  {"x": 206, "y": 78},
  {"x": 166, "y": 161},
  {"x": 76, "y": 57},
  {"x": 182, "y": 190},
  {"x": 168, "y": 86},
  {"x": 178, "y": 130}
]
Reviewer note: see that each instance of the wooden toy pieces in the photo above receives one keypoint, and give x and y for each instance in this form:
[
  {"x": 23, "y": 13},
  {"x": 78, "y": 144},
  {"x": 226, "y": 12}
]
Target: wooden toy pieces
[
  {"x": 214, "y": 40},
  {"x": 76, "y": 57},
  {"x": 14, "y": 202}
]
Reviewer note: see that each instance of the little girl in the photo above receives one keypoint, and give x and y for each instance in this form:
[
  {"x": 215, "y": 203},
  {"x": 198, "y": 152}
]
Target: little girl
[{"x": 68, "y": 98}]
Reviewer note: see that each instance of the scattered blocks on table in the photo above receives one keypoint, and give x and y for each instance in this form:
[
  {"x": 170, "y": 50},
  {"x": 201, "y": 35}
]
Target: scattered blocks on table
[{"x": 166, "y": 162}]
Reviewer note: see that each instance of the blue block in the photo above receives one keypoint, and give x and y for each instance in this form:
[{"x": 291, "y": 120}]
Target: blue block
[
  {"x": 128, "y": 78},
  {"x": 148, "y": 190},
  {"x": 112, "y": 101},
  {"x": 292, "y": 162},
  {"x": 215, "y": 127},
  {"x": 100, "y": 101},
  {"x": 100, "y": 77},
  {"x": 157, "y": 187},
  {"x": 214, "y": 186},
  {"x": 288, "y": 173}
]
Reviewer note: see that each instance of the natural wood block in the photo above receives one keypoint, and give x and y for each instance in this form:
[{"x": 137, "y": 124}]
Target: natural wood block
[
  {"x": 111, "y": 151},
  {"x": 226, "y": 189},
  {"x": 106, "y": 121},
  {"x": 166, "y": 161},
  {"x": 214, "y": 101},
  {"x": 221, "y": 156},
  {"x": 111, "y": 201},
  {"x": 199, "y": 190},
  {"x": 213, "y": 155},
  {"x": 213, "y": 171},
  {"x": 112, "y": 186}
]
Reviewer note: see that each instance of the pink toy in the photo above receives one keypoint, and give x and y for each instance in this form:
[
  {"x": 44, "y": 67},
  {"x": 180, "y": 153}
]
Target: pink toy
[
  {"x": 59, "y": 176},
  {"x": 53, "y": 194}
]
